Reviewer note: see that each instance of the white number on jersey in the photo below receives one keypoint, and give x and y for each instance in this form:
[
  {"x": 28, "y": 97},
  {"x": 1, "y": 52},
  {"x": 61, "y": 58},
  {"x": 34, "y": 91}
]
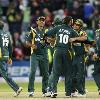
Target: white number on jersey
[
  {"x": 5, "y": 40},
  {"x": 63, "y": 38}
]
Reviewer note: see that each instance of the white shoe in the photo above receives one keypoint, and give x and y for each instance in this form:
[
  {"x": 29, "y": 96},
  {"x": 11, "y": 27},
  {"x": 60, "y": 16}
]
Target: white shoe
[
  {"x": 31, "y": 94},
  {"x": 75, "y": 94},
  {"x": 53, "y": 95},
  {"x": 18, "y": 91},
  {"x": 44, "y": 95},
  {"x": 48, "y": 94},
  {"x": 86, "y": 91},
  {"x": 81, "y": 95}
]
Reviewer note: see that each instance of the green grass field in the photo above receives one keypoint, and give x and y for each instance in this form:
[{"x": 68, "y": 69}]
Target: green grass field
[{"x": 6, "y": 93}]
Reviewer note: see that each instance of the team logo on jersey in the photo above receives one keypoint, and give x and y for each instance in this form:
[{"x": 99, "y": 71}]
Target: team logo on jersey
[{"x": 37, "y": 39}]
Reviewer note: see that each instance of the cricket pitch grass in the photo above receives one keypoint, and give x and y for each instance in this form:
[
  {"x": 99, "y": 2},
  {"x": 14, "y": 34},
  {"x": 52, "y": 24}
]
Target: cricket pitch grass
[{"x": 6, "y": 92}]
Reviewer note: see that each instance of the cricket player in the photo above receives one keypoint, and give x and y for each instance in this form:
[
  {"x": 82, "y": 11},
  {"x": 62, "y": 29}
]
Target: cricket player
[
  {"x": 96, "y": 57},
  {"x": 39, "y": 57},
  {"x": 51, "y": 50},
  {"x": 79, "y": 60},
  {"x": 6, "y": 58},
  {"x": 56, "y": 22},
  {"x": 62, "y": 60}
]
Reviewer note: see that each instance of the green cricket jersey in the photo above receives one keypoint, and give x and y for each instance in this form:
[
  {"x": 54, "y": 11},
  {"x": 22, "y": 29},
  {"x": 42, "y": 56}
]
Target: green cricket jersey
[
  {"x": 63, "y": 33},
  {"x": 98, "y": 42},
  {"x": 39, "y": 41},
  {"x": 79, "y": 47},
  {"x": 5, "y": 45}
]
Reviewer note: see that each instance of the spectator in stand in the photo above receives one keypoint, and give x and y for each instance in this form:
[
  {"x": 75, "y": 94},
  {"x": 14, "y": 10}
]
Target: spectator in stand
[
  {"x": 1, "y": 12},
  {"x": 23, "y": 13},
  {"x": 88, "y": 12},
  {"x": 49, "y": 17},
  {"x": 47, "y": 5},
  {"x": 11, "y": 16},
  {"x": 18, "y": 47},
  {"x": 34, "y": 6},
  {"x": 14, "y": 18},
  {"x": 96, "y": 13},
  {"x": 97, "y": 5},
  {"x": 77, "y": 10},
  {"x": 4, "y": 4},
  {"x": 26, "y": 19},
  {"x": 34, "y": 17}
]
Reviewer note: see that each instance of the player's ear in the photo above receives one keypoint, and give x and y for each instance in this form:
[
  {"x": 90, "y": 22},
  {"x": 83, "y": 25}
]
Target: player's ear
[{"x": 37, "y": 22}]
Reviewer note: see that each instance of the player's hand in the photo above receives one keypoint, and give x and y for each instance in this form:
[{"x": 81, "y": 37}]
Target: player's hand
[
  {"x": 93, "y": 42},
  {"x": 9, "y": 61},
  {"x": 95, "y": 57},
  {"x": 72, "y": 40},
  {"x": 49, "y": 39},
  {"x": 34, "y": 46}
]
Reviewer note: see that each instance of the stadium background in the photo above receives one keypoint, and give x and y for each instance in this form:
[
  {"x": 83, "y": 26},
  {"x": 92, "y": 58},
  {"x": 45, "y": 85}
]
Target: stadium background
[{"x": 19, "y": 15}]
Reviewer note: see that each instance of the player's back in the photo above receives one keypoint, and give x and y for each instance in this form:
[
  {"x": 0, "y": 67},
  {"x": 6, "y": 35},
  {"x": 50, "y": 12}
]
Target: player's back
[
  {"x": 4, "y": 44},
  {"x": 63, "y": 33}
]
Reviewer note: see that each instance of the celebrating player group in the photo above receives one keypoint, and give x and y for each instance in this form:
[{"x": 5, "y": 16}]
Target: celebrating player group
[{"x": 70, "y": 46}]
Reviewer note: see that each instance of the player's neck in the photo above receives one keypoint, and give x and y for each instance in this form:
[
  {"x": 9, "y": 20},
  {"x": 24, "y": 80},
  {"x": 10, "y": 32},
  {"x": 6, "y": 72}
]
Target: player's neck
[{"x": 40, "y": 27}]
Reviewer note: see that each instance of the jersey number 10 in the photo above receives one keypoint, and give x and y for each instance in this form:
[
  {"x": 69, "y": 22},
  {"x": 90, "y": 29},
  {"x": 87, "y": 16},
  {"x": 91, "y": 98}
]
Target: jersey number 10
[{"x": 63, "y": 38}]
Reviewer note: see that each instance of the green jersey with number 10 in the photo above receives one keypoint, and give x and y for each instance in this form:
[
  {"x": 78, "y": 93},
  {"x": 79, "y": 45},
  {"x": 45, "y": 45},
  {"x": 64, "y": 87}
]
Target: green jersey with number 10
[{"x": 63, "y": 33}]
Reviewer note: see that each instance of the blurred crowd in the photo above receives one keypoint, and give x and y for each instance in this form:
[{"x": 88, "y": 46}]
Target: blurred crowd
[{"x": 21, "y": 14}]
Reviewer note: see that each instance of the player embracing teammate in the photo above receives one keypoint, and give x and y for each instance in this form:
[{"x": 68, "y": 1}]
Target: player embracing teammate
[
  {"x": 63, "y": 58},
  {"x": 68, "y": 57}
]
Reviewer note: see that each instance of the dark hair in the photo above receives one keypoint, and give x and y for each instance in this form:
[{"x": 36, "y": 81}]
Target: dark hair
[
  {"x": 1, "y": 24},
  {"x": 67, "y": 19}
]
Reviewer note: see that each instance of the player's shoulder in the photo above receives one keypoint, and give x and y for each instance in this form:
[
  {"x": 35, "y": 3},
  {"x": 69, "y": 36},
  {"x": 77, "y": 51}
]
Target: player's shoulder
[
  {"x": 1, "y": 31},
  {"x": 33, "y": 29},
  {"x": 58, "y": 26},
  {"x": 54, "y": 28},
  {"x": 46, "y": 30},
  {"x": 82, "y": 32},
  {"x": 5, "y": 33}
]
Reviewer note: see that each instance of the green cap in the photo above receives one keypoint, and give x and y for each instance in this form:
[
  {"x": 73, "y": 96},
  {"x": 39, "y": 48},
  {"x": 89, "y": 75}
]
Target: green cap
[
  {"x": 41, "y": 18},
  {"x": 79, "y": 22}
]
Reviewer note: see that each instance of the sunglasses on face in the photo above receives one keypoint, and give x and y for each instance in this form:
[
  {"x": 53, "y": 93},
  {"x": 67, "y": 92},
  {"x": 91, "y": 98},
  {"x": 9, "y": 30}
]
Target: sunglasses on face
[{"x": 77, "y": 24}]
